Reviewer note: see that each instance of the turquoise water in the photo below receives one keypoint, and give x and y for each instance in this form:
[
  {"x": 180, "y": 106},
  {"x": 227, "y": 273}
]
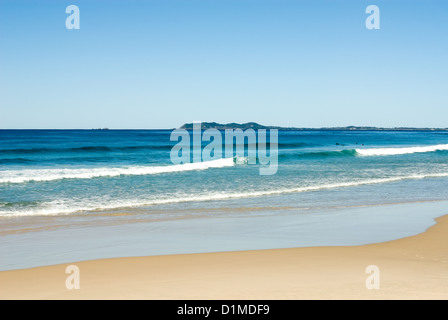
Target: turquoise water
[
  {"x": 69, "y": 195},
  {"x": 46, "y": 172}
]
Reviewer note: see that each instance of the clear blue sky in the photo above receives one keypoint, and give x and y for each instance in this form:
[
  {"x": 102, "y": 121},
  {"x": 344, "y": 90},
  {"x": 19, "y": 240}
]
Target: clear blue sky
[{"x": 160, "y": 63}]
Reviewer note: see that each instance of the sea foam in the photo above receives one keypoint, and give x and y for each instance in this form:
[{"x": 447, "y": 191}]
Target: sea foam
[
  {"x": 28, "y": 175},
  {"x": 64, "y": 208},
  {"x": 398, "y": 151}
]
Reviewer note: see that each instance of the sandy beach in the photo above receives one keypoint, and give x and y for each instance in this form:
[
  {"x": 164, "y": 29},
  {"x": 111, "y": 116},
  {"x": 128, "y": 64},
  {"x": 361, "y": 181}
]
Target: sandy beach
[{"x": 410, "y": 268}]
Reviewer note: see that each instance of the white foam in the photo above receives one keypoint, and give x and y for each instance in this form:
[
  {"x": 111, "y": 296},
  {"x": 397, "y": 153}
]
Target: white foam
[
  {"x": 61, "y": 208},
  {"x": 27, "y": 175},
  {"x": 398, "y": 151}
]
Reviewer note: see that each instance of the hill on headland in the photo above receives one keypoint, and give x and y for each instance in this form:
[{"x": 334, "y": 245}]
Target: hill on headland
[{"x": 255, "y": 126}]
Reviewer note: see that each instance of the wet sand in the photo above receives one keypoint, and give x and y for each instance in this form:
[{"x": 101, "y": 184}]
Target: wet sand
[{"x": 415, "y": 267}]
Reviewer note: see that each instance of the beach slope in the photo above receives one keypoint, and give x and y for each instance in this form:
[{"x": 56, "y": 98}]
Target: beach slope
[{"x": 411, "y": 268}]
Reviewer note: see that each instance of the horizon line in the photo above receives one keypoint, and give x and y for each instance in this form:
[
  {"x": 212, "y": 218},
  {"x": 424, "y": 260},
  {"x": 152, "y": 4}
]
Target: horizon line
[{"x": 351, "y": 127}]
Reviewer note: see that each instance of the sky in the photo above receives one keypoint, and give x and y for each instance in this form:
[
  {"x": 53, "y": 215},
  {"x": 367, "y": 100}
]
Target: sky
[{"x": 161, "y": 63}]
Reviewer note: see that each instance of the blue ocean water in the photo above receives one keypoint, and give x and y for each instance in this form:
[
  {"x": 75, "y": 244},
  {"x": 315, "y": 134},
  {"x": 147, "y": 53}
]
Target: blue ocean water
[
  {"x": 95, "y": 172},
  {"x": 71, "y": 195}
]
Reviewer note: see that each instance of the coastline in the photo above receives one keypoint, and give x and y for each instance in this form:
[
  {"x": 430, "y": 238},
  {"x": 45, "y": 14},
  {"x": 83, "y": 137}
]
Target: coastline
[
  {"x": 414, "y": 267},
  {"x": 223, "y": 151},
  {"x": 29, "y": 242}
]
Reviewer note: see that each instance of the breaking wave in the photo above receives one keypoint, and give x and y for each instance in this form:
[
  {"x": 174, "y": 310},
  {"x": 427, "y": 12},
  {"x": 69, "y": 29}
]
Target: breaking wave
[{"x": 28, "y": 175}]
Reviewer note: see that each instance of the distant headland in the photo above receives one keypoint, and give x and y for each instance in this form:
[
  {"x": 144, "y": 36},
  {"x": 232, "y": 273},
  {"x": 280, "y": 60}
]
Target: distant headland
[{"x": 256, "y": 126}]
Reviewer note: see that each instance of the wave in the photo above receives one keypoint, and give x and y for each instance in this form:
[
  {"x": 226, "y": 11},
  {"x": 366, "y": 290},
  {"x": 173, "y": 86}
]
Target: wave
[
  {"x": 15, "y": 161},
  {"x": 398, "y": 151},
  {"x": 28, "y": 175},
  {"x": 166, "y": 147},
  {"x": 319, "y": 154},
  {"x": 366, "y": 152},
  {"x": 58, "y": 208},
  {"x": 295, "y": 145},
  {"x": 84, "y": 149}
]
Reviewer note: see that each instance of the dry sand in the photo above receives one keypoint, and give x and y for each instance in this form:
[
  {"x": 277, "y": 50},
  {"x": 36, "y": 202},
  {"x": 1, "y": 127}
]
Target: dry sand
[{"x": 411, "y": 268}]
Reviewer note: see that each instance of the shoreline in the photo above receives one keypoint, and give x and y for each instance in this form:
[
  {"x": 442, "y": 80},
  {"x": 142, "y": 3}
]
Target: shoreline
[
  {"x": 414, "y": 267},
  {"x": 68, "y": 238}
]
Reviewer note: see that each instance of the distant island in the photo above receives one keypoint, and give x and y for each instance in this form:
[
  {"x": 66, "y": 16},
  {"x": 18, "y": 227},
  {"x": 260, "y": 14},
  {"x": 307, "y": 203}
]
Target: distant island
[{"x": 256, "y": 126}]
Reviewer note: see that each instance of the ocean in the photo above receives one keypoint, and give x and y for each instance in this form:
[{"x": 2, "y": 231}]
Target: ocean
[{"x": 57, "y": 184}]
